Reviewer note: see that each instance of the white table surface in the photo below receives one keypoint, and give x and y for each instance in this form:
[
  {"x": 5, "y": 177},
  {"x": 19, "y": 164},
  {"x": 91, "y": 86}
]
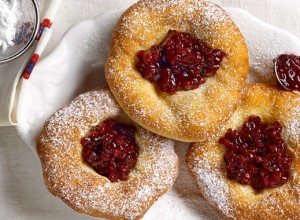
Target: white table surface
[{"x": 22, "y": 192}]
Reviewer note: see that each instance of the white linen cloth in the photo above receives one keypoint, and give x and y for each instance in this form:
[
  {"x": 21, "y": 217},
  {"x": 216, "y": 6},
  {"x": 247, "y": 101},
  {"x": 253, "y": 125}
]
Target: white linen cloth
[{"x": 22, "y": 191}]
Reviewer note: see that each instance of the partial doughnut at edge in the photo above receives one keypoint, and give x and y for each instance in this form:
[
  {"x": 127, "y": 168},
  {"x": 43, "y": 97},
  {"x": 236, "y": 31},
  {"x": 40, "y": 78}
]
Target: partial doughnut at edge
[{"x": 206, "y": 163}]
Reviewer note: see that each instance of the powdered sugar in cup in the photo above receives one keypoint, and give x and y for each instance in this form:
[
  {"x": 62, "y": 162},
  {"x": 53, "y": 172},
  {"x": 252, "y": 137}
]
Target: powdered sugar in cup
[{"x": 19, "y": 21}]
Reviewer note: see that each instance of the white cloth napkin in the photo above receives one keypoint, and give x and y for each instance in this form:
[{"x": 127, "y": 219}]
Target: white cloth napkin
[{"x": 10, "y": 75}]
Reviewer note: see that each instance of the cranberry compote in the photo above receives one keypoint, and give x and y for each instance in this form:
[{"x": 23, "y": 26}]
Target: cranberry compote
[
  {"x": 287, "y": 70},
  {"x": 110, "y": 149},
  {"x": 180, "y": 62},
  {"x": 256, "y": 154}
]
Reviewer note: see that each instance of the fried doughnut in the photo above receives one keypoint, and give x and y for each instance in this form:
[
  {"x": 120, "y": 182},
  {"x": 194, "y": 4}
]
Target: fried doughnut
[
  {"x": 186, "y": 115},
  {"x": 234, "y": 200},
  {"x": 68, "y": 177}
]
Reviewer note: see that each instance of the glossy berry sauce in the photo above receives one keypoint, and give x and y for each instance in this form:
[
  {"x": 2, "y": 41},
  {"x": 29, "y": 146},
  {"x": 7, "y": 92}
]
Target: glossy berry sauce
[
  {"x": 287, "y": 69},
  {"x": 110, "y": 149},
  {"x": 180, "y": 62},
  {"x": 257, "y": 154}
]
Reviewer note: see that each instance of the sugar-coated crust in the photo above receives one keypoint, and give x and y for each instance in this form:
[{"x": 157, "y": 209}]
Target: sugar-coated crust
[
  {"x": 187, "y": 115},
  {"x": 241, "y": 202},
  {"x": 78, "y": 185}
]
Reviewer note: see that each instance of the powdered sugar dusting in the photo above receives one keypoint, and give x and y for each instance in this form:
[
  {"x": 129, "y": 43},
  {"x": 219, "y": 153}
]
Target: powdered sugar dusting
[
  {"x": 67, "y": 177},
  {"x": 182, "y": 116},
  {"x": 294, "y": 126},
  {"x": 211, "y": 181},
  {"x": 292, "y": 123}
]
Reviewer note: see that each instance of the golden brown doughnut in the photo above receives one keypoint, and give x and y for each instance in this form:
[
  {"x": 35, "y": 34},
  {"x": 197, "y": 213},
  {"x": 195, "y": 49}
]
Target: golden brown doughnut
[
  {"x": 241, "y": 202},
  {"x": 187, "y": 115},
  {"x": 78, "y": 185}
]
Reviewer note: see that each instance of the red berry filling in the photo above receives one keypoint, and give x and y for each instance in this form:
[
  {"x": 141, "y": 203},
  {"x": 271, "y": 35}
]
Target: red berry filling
[
  {"x": 256, "y": 154},
  {"x": 287, "y": 70},
  {"x": 110, "y": 149},
  {"x": 180, "y": 62}
]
